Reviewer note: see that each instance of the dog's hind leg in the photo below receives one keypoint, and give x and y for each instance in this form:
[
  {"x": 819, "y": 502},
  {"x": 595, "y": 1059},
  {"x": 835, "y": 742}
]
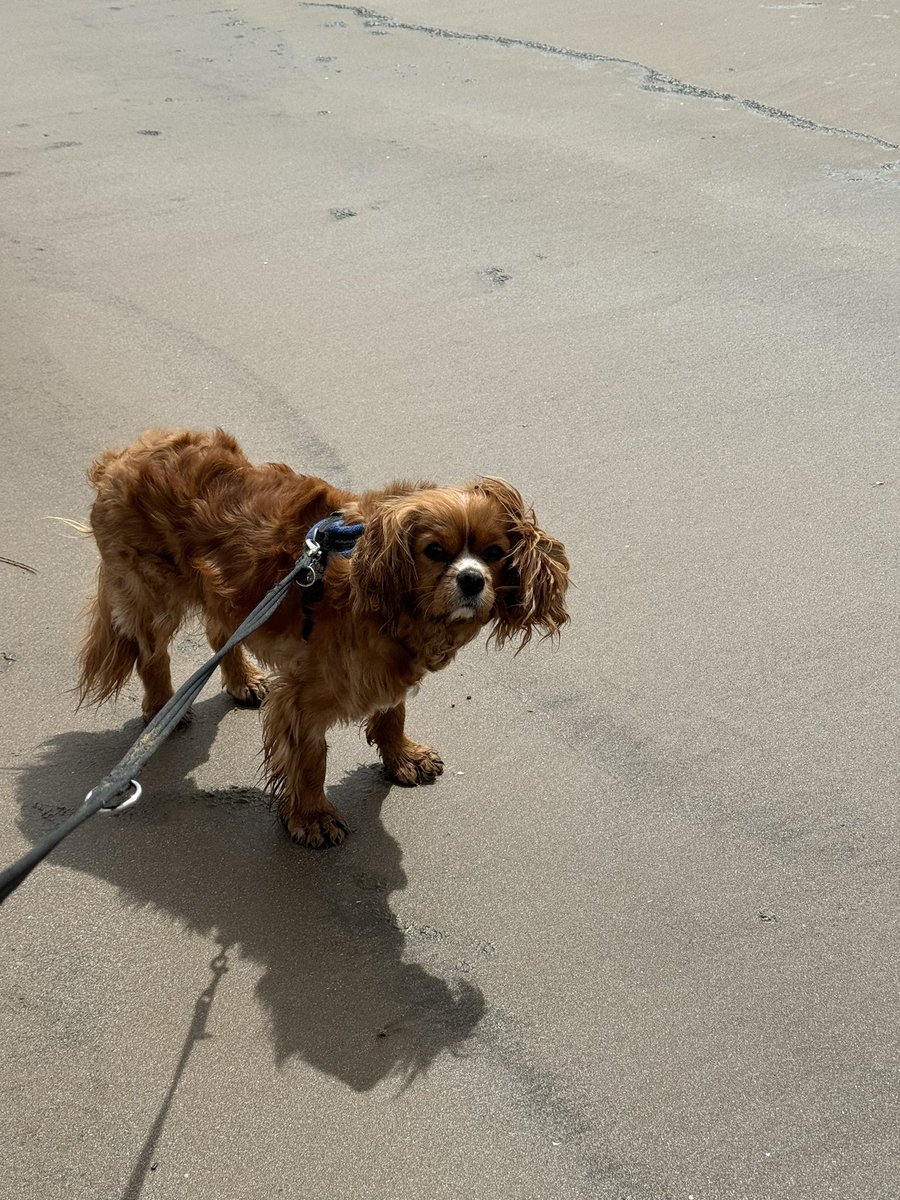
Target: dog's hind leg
[
  {"x": 155, "y": 668},
  {"x": 108, "y": 654},
  {"x": 240, "y": 678},
  {"x": 132, "y": 622}
]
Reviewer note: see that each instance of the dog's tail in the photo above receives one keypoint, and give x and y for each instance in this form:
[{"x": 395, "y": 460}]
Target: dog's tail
[{"x": 107, "y": 656}]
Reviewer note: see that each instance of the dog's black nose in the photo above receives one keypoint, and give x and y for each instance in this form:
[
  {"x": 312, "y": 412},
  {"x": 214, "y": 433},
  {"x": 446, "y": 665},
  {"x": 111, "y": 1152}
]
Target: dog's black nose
[{"x": 470, "y": 582}]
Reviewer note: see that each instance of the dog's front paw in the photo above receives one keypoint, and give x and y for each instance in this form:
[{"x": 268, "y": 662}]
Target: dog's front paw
[
  {"x": 417, "y": 764},
  {"x": 316, "y": 829},
  {"x": 250, "y": 694}
]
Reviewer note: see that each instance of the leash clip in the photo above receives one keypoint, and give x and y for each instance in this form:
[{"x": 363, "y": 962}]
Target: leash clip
[
  {"x": 307, "y": 577},
  {"x": 328, "y": 536},
  {"x": 128, "y": 802}
]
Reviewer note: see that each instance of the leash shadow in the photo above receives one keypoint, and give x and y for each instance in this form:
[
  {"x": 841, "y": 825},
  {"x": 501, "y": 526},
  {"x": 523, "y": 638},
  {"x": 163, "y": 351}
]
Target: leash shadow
[{"x": 335, "y": 983}]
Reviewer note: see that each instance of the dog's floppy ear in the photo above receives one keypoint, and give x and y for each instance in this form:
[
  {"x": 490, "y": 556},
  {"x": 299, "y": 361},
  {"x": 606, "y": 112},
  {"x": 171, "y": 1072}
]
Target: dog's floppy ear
[
  {"x": 382, "y": 566},
  {"x": 531, "y": 595}
]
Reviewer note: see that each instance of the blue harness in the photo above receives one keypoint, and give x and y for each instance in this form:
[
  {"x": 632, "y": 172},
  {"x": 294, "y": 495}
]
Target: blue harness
[{"x": 328, "y": 536}]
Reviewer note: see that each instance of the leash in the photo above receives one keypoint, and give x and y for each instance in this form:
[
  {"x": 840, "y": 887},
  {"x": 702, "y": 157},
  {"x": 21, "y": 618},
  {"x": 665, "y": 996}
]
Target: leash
[{"x": 328, "y": 536}]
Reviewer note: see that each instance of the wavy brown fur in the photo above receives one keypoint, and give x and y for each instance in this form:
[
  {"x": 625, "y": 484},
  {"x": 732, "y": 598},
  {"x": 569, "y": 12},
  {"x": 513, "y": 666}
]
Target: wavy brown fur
[{"x": 185, "y": 523}]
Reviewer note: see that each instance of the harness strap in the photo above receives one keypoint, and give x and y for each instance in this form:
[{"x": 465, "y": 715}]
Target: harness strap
[{"x": 328, "y": 536}]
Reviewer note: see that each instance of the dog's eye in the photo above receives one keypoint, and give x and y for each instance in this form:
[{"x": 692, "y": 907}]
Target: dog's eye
[
  {"x": 493, "y": 554},
  {"x": 436, "y": 552}
]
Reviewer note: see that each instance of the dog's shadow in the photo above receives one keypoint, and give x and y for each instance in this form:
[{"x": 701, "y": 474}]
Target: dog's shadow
[{"x": 335, "y": 986}]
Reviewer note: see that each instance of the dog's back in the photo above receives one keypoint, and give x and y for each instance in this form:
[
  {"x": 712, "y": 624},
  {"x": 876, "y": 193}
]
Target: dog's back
[
  {"x": 185, "y": 522},
  {"x": 150, "y": 483}
]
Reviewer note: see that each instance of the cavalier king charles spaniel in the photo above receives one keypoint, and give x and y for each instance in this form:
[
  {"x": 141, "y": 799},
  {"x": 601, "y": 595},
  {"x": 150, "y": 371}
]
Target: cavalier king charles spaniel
[{"x": 186, "y": 524}]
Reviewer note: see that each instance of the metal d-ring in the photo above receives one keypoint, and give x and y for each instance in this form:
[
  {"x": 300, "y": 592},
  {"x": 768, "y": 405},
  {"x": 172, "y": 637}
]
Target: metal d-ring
[{"x": 129, "y": 802}]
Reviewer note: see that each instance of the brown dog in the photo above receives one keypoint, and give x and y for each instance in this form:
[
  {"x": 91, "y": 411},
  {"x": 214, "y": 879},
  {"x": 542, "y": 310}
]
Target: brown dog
[{"x": 185, "y": 523}]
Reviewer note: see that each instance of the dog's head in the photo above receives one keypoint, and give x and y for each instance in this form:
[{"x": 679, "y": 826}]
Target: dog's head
[{"x": 473, "y": 554}]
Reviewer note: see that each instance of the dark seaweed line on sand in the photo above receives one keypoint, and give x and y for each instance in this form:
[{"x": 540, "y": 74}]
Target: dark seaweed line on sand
[{"x": 653, "y": 81}]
